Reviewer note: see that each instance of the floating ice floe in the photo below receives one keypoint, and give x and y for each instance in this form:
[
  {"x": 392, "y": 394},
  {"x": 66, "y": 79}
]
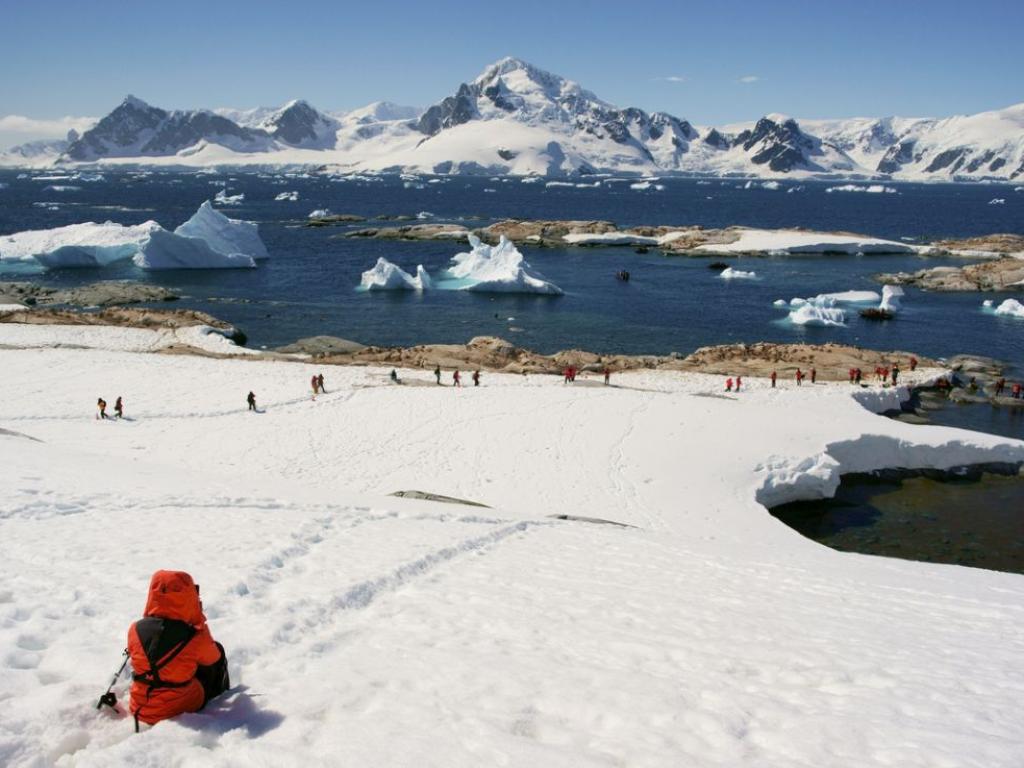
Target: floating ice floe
[
  {"x": 385, "y": 276},
  {"x": 736, "y": 274},
  {"x": 499, "y": 268},
  {"x": 645, "y": 185},
  {"x": 997, "y": 201},
  {"x": 224, "y": 198},
  {"x": 208, "y": 240},
  {"x": 319, "y": 213},
  {"x": 770, "y": 185},
  {"x": 424, "y": 215},
  {"x": 786, "y": 241},
  {"x": 872, "y": 189},
  {"x": 286, "y": 196},
  {"x": 1010, "y": 308},
  {"x": 62, "y": 188},
  {"x": 531, "y": 179}
]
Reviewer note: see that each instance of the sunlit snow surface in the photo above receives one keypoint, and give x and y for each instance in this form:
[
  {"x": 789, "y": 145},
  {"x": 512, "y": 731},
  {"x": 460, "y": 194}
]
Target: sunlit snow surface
[{"x": 363, "y": 629}]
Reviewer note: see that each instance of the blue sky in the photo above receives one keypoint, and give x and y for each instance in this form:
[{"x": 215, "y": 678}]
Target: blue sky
[{"x": 709, "y": 62}]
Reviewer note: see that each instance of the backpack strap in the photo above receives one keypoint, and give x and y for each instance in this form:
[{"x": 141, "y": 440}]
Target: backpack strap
[{"x": 162, "y": 640}]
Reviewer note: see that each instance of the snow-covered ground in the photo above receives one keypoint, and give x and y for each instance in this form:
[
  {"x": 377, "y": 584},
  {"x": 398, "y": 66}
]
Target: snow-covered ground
[{"x": 364, "y": 629}]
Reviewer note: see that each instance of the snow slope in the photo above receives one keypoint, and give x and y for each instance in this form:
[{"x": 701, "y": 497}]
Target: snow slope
[{"x": 364, "y": 629}]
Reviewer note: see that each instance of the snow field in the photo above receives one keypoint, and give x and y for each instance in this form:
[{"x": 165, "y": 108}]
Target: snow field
[{"x": 369, "y": 630}]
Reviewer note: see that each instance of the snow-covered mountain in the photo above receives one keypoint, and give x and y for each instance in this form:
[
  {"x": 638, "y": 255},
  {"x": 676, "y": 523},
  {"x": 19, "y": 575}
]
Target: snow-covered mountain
[{"x": 515, "y": 118}]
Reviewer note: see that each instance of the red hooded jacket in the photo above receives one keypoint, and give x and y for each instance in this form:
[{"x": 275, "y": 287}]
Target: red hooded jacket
[{"x": 172, "y": 596}]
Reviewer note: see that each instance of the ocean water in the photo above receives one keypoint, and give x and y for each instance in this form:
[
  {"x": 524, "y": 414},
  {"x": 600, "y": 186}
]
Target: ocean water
[{"x": 671, "y": 304}]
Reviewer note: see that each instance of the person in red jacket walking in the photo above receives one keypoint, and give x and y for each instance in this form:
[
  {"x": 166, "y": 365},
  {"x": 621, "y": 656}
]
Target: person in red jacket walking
[
  {"x": 799, "y": 377},
  {"x": 177, "y": 666},
  {"x": 728, "y": 385},
  {"x": 774, "y": 377},
  {"x": 456, "y": 379},
  {"x": 814, "y": 375},
  {"x": 739, "y": 383}
]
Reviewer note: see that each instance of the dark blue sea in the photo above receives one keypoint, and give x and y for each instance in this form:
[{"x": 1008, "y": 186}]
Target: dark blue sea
[{"x": 671, "y": 304}]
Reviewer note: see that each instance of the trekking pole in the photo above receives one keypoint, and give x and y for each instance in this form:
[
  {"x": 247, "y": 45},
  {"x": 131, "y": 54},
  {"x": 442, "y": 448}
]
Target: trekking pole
[{"x": 109, "y": 698}]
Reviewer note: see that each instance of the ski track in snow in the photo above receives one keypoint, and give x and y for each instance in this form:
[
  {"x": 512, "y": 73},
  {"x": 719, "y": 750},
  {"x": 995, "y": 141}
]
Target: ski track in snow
[{"x": 368, "y": 630}]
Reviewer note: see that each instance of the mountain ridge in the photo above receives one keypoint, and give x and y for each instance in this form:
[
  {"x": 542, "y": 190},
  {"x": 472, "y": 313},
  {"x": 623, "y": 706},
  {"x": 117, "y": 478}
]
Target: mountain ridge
[{"x": 518, "y": 119}]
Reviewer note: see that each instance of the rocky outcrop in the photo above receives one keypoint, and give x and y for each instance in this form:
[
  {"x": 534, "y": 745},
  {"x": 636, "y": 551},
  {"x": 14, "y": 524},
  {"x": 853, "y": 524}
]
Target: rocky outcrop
[
  {"x": 125, "y": 318},
  {"x": 104, "y": 294},
  {"x": 1005, "y": 274}
]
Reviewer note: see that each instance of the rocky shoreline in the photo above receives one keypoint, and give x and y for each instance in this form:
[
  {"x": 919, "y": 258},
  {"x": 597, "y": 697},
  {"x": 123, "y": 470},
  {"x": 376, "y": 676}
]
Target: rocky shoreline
[
  {"x": 102, "y": 294},
  {"x": 1003, "y": 274},
  {"x": 680, "y": 240}
]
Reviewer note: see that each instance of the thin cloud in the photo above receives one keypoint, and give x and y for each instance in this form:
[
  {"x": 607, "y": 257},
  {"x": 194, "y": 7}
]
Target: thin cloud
[
  {"x": 671, "y": 79},
  {"x": 748, "y": 79},
  {"x": 44, "y": 129}
]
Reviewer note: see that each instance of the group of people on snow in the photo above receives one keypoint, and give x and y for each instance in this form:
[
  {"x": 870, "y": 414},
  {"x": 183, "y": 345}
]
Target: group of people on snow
[
  {"x": 317, "y": 383},
  {"x": 101, "y": 408}
]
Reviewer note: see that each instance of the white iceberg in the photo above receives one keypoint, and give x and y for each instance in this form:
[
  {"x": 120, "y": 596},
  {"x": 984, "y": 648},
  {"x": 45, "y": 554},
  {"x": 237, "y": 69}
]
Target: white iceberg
[
  {"x": 891, "y": 295},
  {"x": 207, "y": 240},
  {"x": 780, "y": 303},
  {"x": 876, "y": 189},
  {"x": 76, "y": 245},
  {"x": 1010, "y": 308},
  {"x": 840, "y": 297},
  {"x": 319, "y": 213},
  {"x": 169, "y": 250},
  {"x": 993, "y": 201},
  {"x": 227, "y": 236},
  {"x": 820, "y": 312},
  {"x": 224, "y": 198},
  {"x": 385, "y": 276},
  {"x": 736, "y": 274},
  {"x": 286, "y": 196},
  {"x": 495, "y": 269}
]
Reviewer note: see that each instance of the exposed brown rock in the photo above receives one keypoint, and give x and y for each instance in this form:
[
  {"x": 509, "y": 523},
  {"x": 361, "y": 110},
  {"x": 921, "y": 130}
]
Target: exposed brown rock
[{"x": 1002, "y": 274}]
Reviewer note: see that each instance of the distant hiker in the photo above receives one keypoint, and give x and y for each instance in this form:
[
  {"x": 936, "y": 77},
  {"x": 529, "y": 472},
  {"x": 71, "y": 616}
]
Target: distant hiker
[
  {"x": 177, "y": 666},
  {"x": 814, "y": 375},
  {"x": 913, "y": 364},
  {"x": 895, "y": 373},
  {"x": 607, "y": 376},
  {"x": 853, "y": 372},
  {"x": 437, "y": 374},
  {"x": 973, "y": 384},
  {"x": 799, "y": 377},
  {"x": 456, "y": 379},
  {"x": 1016, "y": 390},
  {"x": 567, "y": 373},
  {"x": 320, "y": 384},
  {"x": 728, "y": 385},
  {"x": 774, "y": 376},
  {"x": 102, "y": 405},
  {"x": 572, "y": 373},
  {"x": 739, "y": 381},
  {"x": 394, "y": 377},
  {"x": 476, "y": 378},
  {"x": 251, "y": 400},
  {"x": 119, "y": 407},
  {"x": 313, "y": 383},
  {"x": 1000, "y": 386},
  {"x": 885, "y": 374},
  {"x": 858, "y": 374}
]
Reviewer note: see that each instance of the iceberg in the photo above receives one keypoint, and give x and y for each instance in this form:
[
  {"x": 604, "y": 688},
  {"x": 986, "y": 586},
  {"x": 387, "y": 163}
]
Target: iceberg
[
  {"x": 736, "y": 274},
  {"x": 208, "y": 240},
  {"x": 876, "y": 189},
  {"x": 227, "y": 236},
  {"x": 385, "y": 276},
  {"x": 495, "y": 269},
  {"x": 1010, "y": 308},
  {"x": 891, "y": 295},
  {"x": 74, "y": 246},
  {"x": 169, "y": 250},
  {"x": 818, "y": 313},
  {"x": 821, "y": 310},
  {"x": 289, "y": 196},
  {"x": 224, "y": 198}
]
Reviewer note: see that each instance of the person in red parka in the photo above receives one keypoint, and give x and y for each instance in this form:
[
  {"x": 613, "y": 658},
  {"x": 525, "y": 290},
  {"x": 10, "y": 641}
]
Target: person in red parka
[{"x": 177, "y": 666}]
